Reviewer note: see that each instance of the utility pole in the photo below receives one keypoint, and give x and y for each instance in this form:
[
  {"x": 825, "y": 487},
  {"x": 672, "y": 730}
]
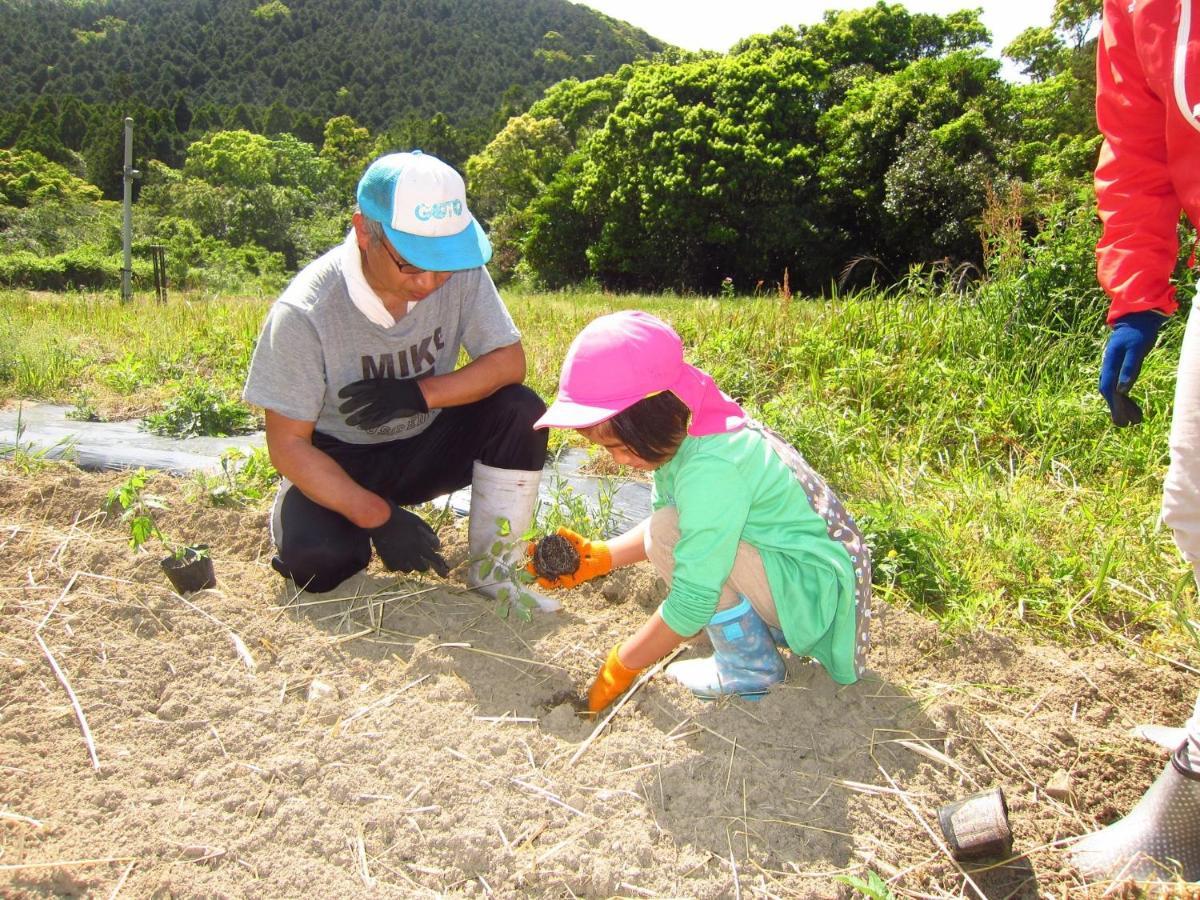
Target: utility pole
[{"x": 128, "y": 173}]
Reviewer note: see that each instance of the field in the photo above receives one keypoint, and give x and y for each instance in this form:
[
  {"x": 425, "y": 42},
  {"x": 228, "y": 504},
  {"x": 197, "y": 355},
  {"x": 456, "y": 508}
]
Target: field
[{"x": 400, "y": 739}]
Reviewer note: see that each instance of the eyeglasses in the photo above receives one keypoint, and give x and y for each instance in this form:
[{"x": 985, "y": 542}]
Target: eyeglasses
[{"x": 403, "y": 267}]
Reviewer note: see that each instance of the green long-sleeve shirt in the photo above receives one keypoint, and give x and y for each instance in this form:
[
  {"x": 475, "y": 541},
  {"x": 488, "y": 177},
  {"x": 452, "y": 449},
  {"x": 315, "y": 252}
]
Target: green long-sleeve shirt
[{"x": 733, "y": 487}]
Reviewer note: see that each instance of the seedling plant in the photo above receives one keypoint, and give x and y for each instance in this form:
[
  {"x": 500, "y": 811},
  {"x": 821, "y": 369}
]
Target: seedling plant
[
  {"x": 570, "y": 509},
  {"x": 27, "y": 457},
  {"x": 246, "y": 478},
  {"x": 84, "y": 409},
  {"x": 502, "y": 564},
  {"x": 138, "y": 513}
]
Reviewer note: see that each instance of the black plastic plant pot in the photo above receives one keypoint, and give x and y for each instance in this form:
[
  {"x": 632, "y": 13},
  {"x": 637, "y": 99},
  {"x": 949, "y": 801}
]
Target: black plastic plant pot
[
  {"x": 191, "y": 572},
  {"x": 977, "y": 827}
]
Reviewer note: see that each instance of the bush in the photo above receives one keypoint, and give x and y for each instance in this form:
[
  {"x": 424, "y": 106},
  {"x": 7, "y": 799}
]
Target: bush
[
  {"x": 1057, "y": 288},
  {"x": 201, "y": 410},
  {"x": 196, "y": 261},
  {"x": 27, "y": 179},
  {"x": 53, "y": 227},
  {"x": 83, "y": 268}
]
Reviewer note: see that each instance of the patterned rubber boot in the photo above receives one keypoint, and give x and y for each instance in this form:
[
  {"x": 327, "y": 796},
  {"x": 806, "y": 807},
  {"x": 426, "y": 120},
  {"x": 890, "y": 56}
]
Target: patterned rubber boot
[
  {"x": 1158, "y": 841},
  {"x": 744, "y": 661}
]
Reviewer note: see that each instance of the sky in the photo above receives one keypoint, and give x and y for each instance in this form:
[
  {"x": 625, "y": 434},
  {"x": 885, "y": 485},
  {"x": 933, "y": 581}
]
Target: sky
[{"x": 705, "y": 25}]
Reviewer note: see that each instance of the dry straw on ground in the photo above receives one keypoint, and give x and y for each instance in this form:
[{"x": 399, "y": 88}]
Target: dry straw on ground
[{"x": 401, "y": 740}]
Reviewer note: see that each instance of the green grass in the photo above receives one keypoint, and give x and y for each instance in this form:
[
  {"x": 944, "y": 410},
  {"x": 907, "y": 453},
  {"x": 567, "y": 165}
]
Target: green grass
[
  {"x": 974, "y": 447},
  {"x": 65, "y": 346},
  {"x": 969, "y": 439}
]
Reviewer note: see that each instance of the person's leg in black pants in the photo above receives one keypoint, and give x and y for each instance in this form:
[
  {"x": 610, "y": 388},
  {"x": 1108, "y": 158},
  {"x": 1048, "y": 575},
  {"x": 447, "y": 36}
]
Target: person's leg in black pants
[
  {"x": 316, "y": 547},
  {"x": 320, "y": 548}
]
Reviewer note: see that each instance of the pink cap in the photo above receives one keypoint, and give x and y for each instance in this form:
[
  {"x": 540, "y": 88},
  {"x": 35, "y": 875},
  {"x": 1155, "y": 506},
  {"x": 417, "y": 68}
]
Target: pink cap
[{"x": 624, "y": 357}]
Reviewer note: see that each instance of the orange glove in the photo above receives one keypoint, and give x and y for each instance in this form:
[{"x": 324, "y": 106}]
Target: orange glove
[
  {"x": 613, "y": 679},
  {"x": 594, "y": 561}
]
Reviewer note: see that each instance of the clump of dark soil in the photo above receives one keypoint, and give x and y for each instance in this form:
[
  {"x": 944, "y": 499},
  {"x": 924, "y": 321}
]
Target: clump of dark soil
[
  {"x": 397, "y": 738},
  {"x": 554, "y": 556}
]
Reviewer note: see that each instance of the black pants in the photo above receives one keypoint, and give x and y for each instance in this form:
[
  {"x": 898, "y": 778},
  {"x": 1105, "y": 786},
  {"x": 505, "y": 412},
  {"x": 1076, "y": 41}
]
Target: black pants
[{"x": 319, "y": 548}]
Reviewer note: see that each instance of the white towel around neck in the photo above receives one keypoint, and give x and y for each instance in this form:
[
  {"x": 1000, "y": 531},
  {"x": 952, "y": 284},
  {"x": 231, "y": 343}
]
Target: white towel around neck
[{"x": 367, "y": 301}]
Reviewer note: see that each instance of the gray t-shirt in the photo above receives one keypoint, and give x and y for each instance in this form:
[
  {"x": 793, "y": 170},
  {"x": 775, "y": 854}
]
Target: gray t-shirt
[{"x": 315, "y": 341}]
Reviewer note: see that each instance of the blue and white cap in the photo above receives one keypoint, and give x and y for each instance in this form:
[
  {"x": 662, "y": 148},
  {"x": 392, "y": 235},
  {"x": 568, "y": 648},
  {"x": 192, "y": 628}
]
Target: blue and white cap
[{"x": 422, "y": 204}]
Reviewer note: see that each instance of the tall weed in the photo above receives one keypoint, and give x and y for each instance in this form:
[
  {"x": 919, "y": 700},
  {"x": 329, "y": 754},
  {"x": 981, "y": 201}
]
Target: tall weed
[{"x": 55, "y": 348}]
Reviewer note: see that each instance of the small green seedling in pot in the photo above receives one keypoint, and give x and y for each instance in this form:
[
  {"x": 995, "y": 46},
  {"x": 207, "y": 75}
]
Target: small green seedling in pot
[{"x": 187, "y": 566}]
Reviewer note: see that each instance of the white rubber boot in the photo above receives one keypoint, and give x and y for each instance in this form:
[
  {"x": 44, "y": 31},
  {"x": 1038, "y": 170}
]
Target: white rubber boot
[
  {"x": 502, "y": 505},
  {"x": 1160, "y": 838}
]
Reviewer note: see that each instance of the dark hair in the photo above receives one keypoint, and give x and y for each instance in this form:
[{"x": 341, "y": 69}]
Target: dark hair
[{"x": 653, "y": 428}]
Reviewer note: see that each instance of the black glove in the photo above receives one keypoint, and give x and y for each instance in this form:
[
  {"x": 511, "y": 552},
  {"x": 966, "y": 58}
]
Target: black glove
[
  {"x": 374, "y": 401},
  {"x": 406, "y": 543}
]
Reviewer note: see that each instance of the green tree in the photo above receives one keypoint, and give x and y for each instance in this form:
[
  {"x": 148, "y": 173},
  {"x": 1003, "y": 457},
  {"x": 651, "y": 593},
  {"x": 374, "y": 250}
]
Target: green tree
[
  {"x": 516, "y": 166},
  {"x": 1039, "y": 53},
  {"x": 104, "y": 156},
  {"x": 278, "y": 120},
  {"x": 72, "y": 124},
  {"x": 231, "y": 158},
  {"x": 181, "y": 114},
  {"x": 1053, "y": 135},
  {"x": 436, "y": 136},
  {"x": 346, "y": 149},
  {"x": 954, "y": 105},
  {"x": 703, "y": 171},
  {"x": 271, "y": 11},
  {"x": 297, "y": 164},
  {"x": 28, "y": 178},
  {"x": 582, "y": 106},
  {"x": 935, "y": 190},
  {"x": 887, "y": 37},
  {"x": 308, "y": 128},
  {"x": 247, "y": 190},
  {"x": 507, "y": 175},
  {"x": 557, "y": 232},
  {"x": 41, "y": 131},
  {"x": 242, "y": 118}
]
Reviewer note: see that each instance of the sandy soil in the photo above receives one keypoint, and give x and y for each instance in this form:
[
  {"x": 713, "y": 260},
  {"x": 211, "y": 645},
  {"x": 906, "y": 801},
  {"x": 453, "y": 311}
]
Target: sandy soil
[{"x": 399, "y": 738}]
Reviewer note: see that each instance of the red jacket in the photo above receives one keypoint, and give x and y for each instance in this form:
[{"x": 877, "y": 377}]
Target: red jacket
[{"x": 1148, "y": 109}]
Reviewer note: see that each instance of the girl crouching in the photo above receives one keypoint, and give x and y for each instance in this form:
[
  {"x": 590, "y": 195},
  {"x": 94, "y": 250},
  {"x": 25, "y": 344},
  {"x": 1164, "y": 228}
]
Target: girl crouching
[{"x": 756, "y": 549}]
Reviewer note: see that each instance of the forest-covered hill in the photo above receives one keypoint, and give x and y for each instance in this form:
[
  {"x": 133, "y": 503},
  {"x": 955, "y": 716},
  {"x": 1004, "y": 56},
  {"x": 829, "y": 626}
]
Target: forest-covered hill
[
  {"x": 375, "y": 60},
  {"x": 843, "y": 153}
]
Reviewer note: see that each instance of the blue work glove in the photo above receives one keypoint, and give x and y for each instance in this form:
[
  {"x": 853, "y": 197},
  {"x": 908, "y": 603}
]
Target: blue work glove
[
  {"x": 372, "y": 402},
  {"x": 1133, "y": 336},
  {"x": 406, "y": 543}
]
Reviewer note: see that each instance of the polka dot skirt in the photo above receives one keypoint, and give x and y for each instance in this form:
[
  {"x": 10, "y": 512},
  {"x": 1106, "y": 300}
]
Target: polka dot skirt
[{"x": 841, "y": 528}]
